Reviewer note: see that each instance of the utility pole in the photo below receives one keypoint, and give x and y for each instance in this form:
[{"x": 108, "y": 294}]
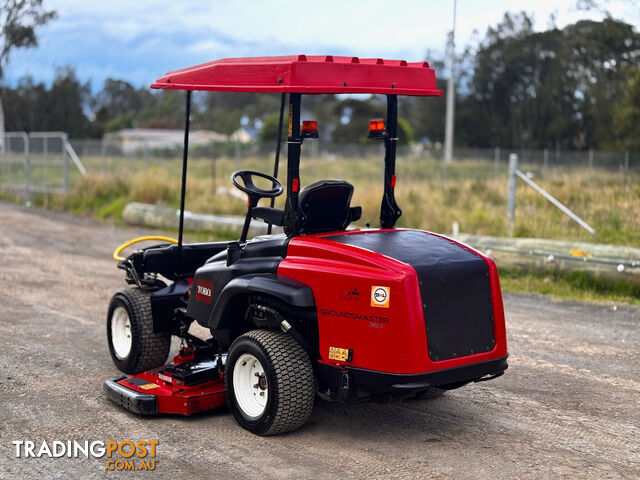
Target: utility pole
[
  {"x": 2, "y": 132},
  {"x": 448, "y": 126}
]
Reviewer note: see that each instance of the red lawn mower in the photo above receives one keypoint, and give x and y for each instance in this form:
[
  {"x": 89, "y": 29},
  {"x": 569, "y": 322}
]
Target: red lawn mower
[{"x": 319, "y": 310}]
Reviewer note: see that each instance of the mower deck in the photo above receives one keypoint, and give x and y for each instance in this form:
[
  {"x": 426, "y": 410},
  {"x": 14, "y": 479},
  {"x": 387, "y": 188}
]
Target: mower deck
[{"x": 184, "y": 387}]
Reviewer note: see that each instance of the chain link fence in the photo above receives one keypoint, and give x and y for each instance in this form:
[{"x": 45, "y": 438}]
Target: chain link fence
[
  {"x": 50, "y": 162},
  {"x": 101, "y": 154},
  {"x": 41, "y": 162}
]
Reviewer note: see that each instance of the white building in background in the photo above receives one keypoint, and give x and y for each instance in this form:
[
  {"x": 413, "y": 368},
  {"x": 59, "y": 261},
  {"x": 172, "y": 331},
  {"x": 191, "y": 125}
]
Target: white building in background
[
  {"x": 244, "y": 135},
  {"x": 133, "y": 140}
]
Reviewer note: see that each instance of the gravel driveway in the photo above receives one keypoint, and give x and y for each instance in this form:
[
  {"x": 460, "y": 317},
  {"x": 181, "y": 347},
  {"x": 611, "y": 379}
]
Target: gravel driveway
[{"x": 568, "y": 407}]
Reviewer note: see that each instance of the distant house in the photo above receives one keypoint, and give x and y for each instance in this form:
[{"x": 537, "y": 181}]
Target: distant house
[
  {"x": 244, "y": 135},
  {"x": 132, "y": 140}
]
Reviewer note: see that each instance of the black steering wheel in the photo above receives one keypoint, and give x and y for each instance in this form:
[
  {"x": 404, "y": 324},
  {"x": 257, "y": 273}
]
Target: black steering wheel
[
  {"x": 250, "y": 189},
  {"x": 254, "y": 193}
]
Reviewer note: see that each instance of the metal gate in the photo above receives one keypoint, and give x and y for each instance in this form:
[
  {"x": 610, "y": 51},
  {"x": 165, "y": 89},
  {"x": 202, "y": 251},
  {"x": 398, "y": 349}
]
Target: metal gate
[{"x": 39, "y": 162}]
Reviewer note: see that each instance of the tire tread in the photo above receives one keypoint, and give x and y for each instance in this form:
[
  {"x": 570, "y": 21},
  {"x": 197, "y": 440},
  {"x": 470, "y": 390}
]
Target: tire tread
[
  {"x": 295, "y": 386},
  {"x": 152, "y": 348}
]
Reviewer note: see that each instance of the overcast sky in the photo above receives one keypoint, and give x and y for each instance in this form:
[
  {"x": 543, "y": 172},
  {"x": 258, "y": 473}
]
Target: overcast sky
[{"x": 139, "y": 40}]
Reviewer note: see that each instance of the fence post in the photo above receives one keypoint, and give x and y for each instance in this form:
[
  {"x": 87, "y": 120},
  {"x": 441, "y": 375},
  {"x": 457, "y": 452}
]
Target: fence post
[
  {"x": 103, "y": 161},
  {"x": 496, "y": 162},
  {"x": 545, "y": 156},
  {"x": 511, "y": 204},
  {"x": 146, "y": 155},
  {"x": 214, "y": 183},
  {"x": 65, "y": 163},
  {"x": 626, "y": 160},
  {"x": 27, "y": 165},
  {"x": 590, "y": 164}
]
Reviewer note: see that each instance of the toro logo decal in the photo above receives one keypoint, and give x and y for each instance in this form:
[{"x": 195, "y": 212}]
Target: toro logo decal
[
  {"x": 203, "y": 291},
  {"x": 380, "y": 296},
  {"x": 352, "y": 295}
]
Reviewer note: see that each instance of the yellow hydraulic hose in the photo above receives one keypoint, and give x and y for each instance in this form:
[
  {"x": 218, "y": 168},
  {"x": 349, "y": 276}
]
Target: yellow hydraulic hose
[{"x": 118, "y": 251}]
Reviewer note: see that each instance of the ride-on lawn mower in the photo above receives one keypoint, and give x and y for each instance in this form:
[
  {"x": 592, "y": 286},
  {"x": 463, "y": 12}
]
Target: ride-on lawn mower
[{"x": 346, "y": 315}]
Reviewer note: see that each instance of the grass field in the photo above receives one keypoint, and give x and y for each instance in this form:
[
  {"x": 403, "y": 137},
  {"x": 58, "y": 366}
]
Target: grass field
[
  {"x": 431, "y": 196},
  {"x": 574, "y": 285}
]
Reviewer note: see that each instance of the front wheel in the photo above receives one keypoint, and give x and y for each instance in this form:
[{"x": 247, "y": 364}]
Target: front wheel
[
  {"x": 270, "y": 385},
  {"x": 133, "y": 345}
]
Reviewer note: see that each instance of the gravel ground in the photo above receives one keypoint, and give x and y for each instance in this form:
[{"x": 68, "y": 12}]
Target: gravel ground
[{"x": 568, "y": 407}]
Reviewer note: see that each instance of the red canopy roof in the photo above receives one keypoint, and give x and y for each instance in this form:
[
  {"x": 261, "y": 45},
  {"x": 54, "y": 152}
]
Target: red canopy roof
[{"x": 305, "y": 74}]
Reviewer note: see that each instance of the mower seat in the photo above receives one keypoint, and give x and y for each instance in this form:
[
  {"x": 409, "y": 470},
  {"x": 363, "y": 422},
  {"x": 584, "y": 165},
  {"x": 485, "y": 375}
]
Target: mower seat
[{"x": 325, "y": 206}]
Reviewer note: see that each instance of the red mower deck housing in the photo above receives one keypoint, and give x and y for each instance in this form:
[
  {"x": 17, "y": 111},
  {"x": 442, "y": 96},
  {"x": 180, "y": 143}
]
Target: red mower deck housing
[{"x": 184, "y": 387}]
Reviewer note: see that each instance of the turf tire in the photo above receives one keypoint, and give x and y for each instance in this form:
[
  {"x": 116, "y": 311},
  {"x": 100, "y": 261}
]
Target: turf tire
[
  {"x": 148, "y": 349},
  {"x": 291, "y": 387}
]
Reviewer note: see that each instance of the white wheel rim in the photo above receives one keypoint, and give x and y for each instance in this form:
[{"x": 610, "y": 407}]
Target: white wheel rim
[
  {"x": 250, "y": 385},
  {"x": 121, "y": 332}
]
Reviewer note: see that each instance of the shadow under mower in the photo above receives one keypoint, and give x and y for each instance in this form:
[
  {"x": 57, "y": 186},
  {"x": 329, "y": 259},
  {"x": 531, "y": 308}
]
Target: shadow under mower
[{"x": 346, "y": 315}]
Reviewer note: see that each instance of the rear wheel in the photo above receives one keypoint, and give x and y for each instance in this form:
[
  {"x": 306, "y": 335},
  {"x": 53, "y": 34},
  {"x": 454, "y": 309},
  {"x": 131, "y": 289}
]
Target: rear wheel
[
  {"x": 133, "y": 345},
  {"x": 270, "y": 385}
]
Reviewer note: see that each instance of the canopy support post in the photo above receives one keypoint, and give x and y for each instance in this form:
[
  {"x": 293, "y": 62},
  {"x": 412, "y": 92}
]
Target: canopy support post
[
  {"x": 389, "y": 210},
  {"x": 276, "y": 164},
  {"x": 183, "y": 190},
  {"x": 294, "y": 143}
]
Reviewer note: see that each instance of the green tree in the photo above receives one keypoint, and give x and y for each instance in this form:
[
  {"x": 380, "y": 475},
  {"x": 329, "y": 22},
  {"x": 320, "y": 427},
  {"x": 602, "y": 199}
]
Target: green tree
[
  {"x": 167, "y": 111},
  {"x": 269, "y": 130},
  {"x": 33, "y": 107},
  {"x": 519, "y": 94},
  {"x": 405, "y": 131},
  {"x": 23, "y": 105},
  {"x": 626, "y": 114},
  {"x": 18, "y": 22},
  {"x": 223, "y": 111},
  {"x": 600, "y": 56},
  {"x": 351, "y": 118},
  {"x": 67, "y": 99},
  {"x": 120, "y": 105},
  {"x": 426, "y": 114},
  {"x": 550, "y": 89}
]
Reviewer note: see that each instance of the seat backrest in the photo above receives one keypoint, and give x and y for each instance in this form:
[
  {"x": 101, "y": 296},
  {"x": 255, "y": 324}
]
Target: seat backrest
[{"x": 324, "y": 206}]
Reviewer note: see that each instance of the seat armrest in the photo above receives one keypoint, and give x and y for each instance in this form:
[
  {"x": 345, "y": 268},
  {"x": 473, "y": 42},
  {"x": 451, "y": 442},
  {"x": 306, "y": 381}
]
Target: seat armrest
[
  {"x": 354, "y": 214},
  {"x": 274, "y": 216}
]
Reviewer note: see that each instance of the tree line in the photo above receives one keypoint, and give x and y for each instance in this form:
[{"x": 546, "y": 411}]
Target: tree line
[{"x": 572, "y": 88}]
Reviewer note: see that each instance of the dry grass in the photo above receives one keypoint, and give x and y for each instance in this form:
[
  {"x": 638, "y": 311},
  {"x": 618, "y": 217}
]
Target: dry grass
[{"x": 432, "y": 197}]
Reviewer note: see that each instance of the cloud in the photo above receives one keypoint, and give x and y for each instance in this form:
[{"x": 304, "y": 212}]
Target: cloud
[{"x": 139, "y": 41}]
